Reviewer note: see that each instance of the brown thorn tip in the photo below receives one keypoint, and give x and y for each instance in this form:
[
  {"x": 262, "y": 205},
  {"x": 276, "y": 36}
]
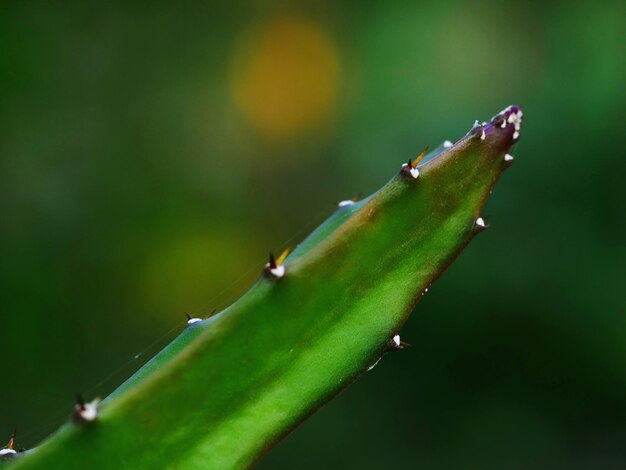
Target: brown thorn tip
[
  {"x": 419, "y": 157},
  {"x": 80, "y": 401},
  {"x": 283, "y": 256},
  {"x": 272, "y": 261}
]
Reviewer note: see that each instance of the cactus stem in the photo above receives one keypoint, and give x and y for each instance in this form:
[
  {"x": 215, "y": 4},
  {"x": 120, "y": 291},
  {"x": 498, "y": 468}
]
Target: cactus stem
[
  {"x": 191, "y": 320},
  {"x": 85, "y": 412},
  {"x": 367, "y": 254},
  {"x": 9, "y": 450}
]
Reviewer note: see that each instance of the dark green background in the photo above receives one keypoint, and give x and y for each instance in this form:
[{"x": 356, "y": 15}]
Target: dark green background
[{"x": 133, "y": 187}]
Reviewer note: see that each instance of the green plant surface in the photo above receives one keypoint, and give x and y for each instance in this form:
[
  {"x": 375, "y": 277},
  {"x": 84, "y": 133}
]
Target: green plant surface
[{"x": 231, "y": 386}]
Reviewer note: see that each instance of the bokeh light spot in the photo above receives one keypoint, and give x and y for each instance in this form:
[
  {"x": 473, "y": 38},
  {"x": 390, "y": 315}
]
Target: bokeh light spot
[{"x": 285, "y": 76}]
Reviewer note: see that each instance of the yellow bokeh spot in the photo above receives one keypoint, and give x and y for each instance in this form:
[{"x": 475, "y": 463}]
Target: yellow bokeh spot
[{"x": 285, "y": 76}]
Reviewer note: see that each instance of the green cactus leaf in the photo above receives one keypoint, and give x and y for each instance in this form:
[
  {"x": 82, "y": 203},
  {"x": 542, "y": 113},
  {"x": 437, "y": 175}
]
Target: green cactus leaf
[{"x": 230, "y": 387}]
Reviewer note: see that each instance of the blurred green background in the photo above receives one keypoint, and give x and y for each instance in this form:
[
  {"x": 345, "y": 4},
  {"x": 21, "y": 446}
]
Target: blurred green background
[{"x": 150, "y": 157}]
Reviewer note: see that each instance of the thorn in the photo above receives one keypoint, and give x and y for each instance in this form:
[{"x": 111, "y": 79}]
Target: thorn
[
  {"x": 419, "y": 157},
  {"x": 283, "y": 256},
  {"x": 409, "y": 169},
  {"x": 191, "y": 320},
  {"x": 85, "y": 412},
  {"x": 515, "y": 118},
  {"x": 497, "y": 120},
  {"x": 275, "y": 268},
  {"x": 447, "y": 144},
  {"x": 277, "y": 272},
  {"x": 480, "y": 224},
  {"x": 483, "y": 135},
  {"x": 396, "y": 343},
  {"x": 9, "y": 450},
  {"x": 213, "y": 312},
  {"x": 508, "y": 158},
  {"x": 477, "y": 130},
  {"x": 349, "y": 202}
]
